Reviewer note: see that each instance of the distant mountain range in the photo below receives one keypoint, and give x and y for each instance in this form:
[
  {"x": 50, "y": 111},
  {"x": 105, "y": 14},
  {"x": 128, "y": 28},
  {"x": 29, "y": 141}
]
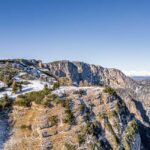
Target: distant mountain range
[
  {"x": 139, "y": 78},
  {"x": 137, "y": 73}
]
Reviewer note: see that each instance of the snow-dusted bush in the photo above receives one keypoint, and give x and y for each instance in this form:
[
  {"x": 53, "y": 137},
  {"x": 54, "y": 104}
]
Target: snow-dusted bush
[{"x": 5, "y": 102}]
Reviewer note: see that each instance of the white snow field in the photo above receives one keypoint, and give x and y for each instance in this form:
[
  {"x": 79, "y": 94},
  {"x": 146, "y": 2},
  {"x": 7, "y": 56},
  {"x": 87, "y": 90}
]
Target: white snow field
[{"x": 35, "y": 85}]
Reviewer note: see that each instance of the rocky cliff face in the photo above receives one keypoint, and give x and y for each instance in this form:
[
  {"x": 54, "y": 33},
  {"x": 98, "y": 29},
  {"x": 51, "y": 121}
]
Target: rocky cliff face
[{"x": 79, "y": 71}]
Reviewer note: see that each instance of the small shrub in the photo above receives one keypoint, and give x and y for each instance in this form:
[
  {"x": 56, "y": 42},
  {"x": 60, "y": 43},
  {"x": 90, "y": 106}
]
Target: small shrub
[
  {"x": 5, "y": 102},
  {"x": 81, "y": 138},
  {"x": 82, "y": 92},
  {"x": 56, "y": 85},
  {"x": 14, "y": 87},
  {"x": 112, "y": 113},
  {"x": 36, "y": 97},
  {"x": 70, "y": 146},
  {"x": 22, "y": 100},
  {"x": 89, "y": 128},
  {"x": 53, "y": 98},
  {"x": 43, "y": 97},
  {"x": 6, "y": 75},
  {"x": 65, "y": 103},
  {"x": 93, "y": 128},
  {"x": 46, "y": 89},
  {"x": 102, "y": 116},
  {"x": 86, "y": 117},
  {"x": 82, "y": 108},
  {"x": 53, "y": 120},
  {"x": 110, "y": 91},
  {"x": 46, "y": 102},
  {"x": 26, "y": 127},
  {"x": 69, "y": 117}
]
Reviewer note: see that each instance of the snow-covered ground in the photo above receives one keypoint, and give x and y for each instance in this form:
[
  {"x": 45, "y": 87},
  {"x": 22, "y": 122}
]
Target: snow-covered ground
[
  {"x": 65, "y": 89},
  {"x": 35, "y": 85},
  {"x": 2, "y": 84}
]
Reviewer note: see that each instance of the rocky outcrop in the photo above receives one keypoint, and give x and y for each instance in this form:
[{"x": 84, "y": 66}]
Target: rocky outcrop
[
  {"x": 64, "y": 69},
  {"x": 78, "y": 71}
]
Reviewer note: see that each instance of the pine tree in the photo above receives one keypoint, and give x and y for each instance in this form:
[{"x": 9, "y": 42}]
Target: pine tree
[
  {"x": 46, "y": 89},
  {"x": 14, "y": 87},
  {"x": 56, "y": 85},
  {"x": 5, "y": 102}
]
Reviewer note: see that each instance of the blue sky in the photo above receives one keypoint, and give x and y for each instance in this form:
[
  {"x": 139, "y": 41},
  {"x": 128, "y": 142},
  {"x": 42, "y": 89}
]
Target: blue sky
[{"x": 111, "y": 33}]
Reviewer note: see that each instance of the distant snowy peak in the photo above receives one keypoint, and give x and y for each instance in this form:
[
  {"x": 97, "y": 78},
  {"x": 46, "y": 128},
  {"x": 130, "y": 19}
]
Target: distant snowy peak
[{"x": 137, "y": 73}]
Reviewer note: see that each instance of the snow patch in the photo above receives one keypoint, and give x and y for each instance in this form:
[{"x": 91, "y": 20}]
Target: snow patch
[
  {"x": 35, "y": 85},
  {"x": 2, "y": 84},
  {"x": 65, "y": 89}
]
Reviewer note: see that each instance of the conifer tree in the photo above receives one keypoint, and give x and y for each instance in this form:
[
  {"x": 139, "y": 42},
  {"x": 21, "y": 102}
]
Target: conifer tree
[
  {"x": 56, "y": 85},
  {"x": 46, "y": 89},
  {"x": 14, "y": 87}
]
